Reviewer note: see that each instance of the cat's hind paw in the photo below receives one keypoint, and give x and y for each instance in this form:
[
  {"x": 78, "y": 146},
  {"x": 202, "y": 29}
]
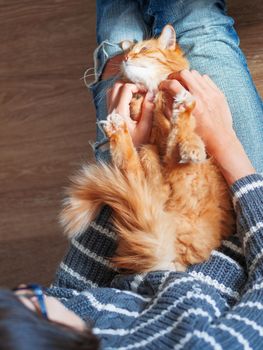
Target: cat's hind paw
[{"x": 192, "y": 151}]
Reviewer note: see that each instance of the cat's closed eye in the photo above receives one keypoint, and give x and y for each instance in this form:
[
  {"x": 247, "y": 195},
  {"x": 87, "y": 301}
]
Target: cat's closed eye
[{"x": 143, "y": 49}]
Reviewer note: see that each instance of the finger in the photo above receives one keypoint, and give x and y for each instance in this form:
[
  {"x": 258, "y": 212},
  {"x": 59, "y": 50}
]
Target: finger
[
  {"x": 141, "y": 87},
  {"x": 127, "y": 92},
  {"x": 145, "y": 124},
  {"x": 210, "y": 82},
  {"x": 173, "y": 87},
  {"x": 190, "y": 81},
  {"x": 113, "y": 95},
  {"x": 203, "y": 85},
  {"x": 124, "y": 99},
  {"x": 131, "y": 88},
  {"x": 176, "y": 76}
]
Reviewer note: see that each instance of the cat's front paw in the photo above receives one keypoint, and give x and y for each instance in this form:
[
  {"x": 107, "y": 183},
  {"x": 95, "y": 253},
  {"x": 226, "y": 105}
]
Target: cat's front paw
[
  {"x": 113, "y": 124},
  {"x": 193, "y": 151},
  {"x": 183, "y": 102}
]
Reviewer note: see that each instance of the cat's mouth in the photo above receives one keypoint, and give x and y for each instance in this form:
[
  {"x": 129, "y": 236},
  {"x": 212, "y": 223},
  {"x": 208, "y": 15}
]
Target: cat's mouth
[
  {"x": 133, "y": 71},
  {"x": 142, "y": 74}
]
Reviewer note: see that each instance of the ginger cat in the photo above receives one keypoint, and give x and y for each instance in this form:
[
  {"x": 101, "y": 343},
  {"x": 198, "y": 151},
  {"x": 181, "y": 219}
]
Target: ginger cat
[{"x": 171, "y": 205}]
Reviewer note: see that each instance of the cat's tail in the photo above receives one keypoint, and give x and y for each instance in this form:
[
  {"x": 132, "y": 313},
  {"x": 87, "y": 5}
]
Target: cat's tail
[{"x": 144, "y": 229}]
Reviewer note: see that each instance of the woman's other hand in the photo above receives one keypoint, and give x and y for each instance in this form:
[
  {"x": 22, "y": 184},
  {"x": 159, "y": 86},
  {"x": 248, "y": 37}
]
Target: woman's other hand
[{"x": 119, "y": 99}]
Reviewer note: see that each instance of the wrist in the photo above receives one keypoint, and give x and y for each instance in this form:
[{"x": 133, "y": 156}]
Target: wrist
[
  {"x": 217, "y": 145},
  {"x": 232, "y": 159}
]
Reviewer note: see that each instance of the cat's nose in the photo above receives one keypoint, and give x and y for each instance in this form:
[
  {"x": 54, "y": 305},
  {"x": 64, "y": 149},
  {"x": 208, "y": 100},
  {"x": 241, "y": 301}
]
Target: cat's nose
[{"x": 126, "y": 58}]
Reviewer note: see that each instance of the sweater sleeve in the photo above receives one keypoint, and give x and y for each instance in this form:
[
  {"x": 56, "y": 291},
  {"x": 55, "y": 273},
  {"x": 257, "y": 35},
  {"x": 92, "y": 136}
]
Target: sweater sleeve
[
  {"x": 248, "y": 203},
  {"x": 86, "y": 263},
  {"x": 241, "y": 327}
]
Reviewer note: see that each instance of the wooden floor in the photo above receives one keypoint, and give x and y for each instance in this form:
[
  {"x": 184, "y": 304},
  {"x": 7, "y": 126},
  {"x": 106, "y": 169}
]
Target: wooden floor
[{"x": 47, "y": 120}]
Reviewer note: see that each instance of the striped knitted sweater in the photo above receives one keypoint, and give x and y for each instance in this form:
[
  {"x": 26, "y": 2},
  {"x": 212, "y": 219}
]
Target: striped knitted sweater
[{"x": 214, "y": 305}]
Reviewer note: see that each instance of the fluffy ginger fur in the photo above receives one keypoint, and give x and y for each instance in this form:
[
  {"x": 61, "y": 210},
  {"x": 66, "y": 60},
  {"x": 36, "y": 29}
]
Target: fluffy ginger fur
[{"x": 171, "y": 205}]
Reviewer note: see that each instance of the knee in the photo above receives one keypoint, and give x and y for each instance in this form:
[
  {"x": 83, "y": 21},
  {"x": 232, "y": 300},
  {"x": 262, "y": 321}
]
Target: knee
[
  {"x": 205, "y": 14},
  {"x": 205, "y": 4},
  {"x": 120, "y": 20},
  {"x": 118, "y": 33},
  {"x": 192, "y": 16}
]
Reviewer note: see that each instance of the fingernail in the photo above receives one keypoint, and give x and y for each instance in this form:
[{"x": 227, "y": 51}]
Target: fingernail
[{"x": 150, "y": 96}]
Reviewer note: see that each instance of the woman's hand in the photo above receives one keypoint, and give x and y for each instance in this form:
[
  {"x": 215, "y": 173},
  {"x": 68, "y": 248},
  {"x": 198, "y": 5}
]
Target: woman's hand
[
  {"x": 214, "y": 122},
  {"x": 213, "y": 117},
  {"x": 119, "y": 99}
]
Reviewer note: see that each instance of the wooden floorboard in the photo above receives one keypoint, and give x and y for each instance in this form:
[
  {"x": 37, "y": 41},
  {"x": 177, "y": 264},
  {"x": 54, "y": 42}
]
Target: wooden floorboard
[
  {"x": 248, "y": 23},
  {"x": 47, "y": 120}
]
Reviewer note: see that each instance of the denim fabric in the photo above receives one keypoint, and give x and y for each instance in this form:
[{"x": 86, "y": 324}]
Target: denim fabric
[
  {"x": 116, "y": 21},
  {"x": 208, "y": 37},
  {"x": 99, "y": 89}
]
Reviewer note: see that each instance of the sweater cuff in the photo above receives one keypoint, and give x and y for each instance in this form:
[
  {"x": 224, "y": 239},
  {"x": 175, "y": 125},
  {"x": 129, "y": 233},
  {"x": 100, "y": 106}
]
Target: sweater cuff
[{"x": 247, "y": 188}]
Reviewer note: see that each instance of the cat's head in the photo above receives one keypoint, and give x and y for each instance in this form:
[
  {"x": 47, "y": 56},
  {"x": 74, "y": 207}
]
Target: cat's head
[{"x": 151, "y": 61}]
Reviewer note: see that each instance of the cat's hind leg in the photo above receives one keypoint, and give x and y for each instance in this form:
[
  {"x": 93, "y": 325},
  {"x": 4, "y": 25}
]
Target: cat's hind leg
[{"x": 151, "y": 164}]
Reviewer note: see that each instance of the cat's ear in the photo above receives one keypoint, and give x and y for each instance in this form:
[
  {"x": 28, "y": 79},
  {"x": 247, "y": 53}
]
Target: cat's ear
[
  {"x": 167, "y": 39},
  {"x": 126, "y": 45}
]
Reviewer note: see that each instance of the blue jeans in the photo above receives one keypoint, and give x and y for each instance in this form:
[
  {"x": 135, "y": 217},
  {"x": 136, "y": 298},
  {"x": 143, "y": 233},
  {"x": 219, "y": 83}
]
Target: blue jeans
[{"x": 206, "y": 34}]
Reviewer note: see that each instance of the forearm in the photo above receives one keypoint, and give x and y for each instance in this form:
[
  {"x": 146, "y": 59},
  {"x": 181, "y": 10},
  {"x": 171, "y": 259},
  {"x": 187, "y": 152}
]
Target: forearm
[
  {"x": 248, "y": 202},
  {"x": 242, "y": 323},
  {"x": 247, "y": 190},
  {"x": 231, "y": 158}
]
